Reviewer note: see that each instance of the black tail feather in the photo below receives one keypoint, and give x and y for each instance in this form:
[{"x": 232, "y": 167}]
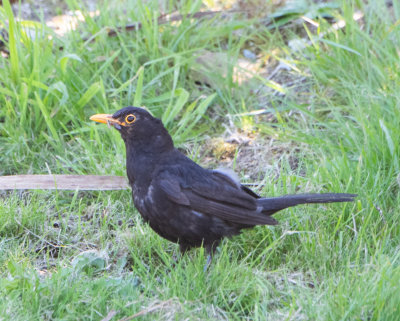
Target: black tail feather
[{"x": 275, "y": 204}]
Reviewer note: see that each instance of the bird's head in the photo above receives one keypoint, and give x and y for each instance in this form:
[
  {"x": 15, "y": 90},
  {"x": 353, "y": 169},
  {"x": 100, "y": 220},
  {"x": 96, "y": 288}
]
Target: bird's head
[{"x": 137, "y": 127}]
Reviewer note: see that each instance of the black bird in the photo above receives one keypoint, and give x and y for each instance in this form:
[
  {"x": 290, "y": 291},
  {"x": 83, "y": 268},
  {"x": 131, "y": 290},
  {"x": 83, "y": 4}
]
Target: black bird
[{"x": 184, "y": 202}]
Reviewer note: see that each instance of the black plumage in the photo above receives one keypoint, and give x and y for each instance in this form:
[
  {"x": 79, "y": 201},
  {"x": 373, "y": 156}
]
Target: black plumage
[{"x": 182, "y": 201}]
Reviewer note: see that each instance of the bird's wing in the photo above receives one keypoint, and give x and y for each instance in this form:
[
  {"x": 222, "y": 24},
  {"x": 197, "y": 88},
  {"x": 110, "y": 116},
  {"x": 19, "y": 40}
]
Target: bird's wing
[
  {"x": 230, "y": 177},
  {"x": 214, "y": 198},
  {"x": 172, "y": 188}
]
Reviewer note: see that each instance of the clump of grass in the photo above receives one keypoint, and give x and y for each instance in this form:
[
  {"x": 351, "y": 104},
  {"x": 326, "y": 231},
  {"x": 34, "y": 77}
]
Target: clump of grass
[{"x": 58, "y": 83}]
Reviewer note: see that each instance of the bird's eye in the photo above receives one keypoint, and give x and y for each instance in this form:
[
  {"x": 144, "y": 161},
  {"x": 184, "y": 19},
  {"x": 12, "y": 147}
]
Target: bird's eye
[{"x": 130, "y": 119}]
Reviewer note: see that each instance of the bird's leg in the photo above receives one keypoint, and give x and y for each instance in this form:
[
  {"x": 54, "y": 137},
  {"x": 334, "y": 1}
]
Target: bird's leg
[
  {"x": 184, "y": 248},
  {"x": 208, "y": 263},
  {"x": 210, "y": 249}
]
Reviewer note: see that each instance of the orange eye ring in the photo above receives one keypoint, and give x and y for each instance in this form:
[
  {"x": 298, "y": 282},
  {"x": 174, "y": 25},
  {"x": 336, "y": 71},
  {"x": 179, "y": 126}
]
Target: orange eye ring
[{"x": 130, "y": 119}]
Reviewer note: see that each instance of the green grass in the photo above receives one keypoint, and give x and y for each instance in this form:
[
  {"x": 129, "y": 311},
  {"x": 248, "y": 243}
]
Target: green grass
[{"x": 81, "y": 255}]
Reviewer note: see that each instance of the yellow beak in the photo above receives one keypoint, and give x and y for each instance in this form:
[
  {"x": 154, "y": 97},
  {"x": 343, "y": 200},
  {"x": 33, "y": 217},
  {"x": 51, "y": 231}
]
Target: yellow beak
[{"x": 105, "y": 119}]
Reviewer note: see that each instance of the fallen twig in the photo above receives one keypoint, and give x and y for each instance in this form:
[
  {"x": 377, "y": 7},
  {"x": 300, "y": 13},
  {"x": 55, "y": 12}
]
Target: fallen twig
[
  {"x": 166, "y": 18},
  {"x": 110, "y": 315},
  {"x": 145, "y": 311}
]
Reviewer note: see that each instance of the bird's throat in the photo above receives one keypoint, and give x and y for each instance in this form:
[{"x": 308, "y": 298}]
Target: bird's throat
[{"x": 139, "y": 161}]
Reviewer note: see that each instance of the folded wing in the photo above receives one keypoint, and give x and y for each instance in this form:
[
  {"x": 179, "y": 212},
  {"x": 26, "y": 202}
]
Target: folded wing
[{"x": 215, "y": 198}]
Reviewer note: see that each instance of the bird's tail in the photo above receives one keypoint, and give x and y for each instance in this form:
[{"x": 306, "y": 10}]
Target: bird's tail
[{"x": 275, "y": 204}]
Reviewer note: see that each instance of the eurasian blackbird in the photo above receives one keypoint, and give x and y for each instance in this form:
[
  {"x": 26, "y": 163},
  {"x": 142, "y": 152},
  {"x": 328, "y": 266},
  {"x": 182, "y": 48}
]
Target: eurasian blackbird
[{"x": 184, "y": 202}]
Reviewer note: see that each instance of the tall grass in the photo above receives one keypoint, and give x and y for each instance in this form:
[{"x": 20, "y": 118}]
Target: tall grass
[
  {"x": 57, "y": 83},
  {"x": 323, "y": 262}
]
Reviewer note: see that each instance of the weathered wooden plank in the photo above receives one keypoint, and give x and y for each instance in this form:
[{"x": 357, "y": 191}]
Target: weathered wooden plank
[{"x": 63, "y": 182}]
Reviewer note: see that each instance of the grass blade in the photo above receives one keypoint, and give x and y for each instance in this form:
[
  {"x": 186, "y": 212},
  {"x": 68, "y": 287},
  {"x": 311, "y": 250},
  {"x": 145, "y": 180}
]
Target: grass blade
[
  {"x": 88, "y": 95},
  {"x": 15, "y": 74},
  {"x": 137, "y": 101},
  {"x": 47, "y": 118}
]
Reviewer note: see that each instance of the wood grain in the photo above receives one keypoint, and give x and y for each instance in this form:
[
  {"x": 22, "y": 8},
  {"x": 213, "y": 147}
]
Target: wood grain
[{"x": 64, "y": 182}]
